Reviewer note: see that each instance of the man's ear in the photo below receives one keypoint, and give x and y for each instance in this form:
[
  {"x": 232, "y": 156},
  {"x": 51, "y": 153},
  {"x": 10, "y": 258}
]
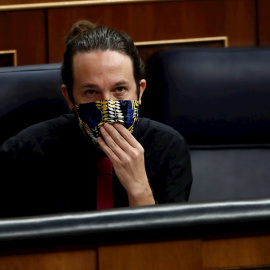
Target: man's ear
[
  {"x": 142, "y": 88},
  {"x": 66, "y": 96}
]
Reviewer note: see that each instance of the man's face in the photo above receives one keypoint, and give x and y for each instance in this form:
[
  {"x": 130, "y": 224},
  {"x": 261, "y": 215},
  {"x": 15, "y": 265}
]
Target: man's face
[{"x": 103, "y": 75}]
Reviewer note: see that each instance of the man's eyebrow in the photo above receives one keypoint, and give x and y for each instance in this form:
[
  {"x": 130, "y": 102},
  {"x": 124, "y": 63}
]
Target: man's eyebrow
[
  {"x": 120, "y": 83},
  {"x": 92, "y": 85},
  {"x": 88, "y": 85}
]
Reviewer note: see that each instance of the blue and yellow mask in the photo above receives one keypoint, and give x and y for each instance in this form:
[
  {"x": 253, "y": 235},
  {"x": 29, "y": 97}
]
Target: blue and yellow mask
[{"x": 95, "y": 114}]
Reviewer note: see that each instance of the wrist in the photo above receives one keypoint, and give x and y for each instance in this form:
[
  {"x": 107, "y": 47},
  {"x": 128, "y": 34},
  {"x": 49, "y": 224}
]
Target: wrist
[{"x": 141, "y": 196}]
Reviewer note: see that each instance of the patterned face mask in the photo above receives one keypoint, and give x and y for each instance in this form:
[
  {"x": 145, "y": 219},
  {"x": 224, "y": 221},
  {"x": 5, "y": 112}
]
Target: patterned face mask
[{"x": 95, "y": 114}]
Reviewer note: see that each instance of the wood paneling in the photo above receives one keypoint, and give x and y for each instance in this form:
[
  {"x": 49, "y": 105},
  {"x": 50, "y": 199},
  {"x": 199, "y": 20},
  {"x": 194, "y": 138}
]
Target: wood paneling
[
  {"x": 8, "y": 58},
  {"x": 240, "y": 23},
  {"x": 53, "y": 258},
  {"x": 264, "y": 22},
  {"x": 173, "y": 255},
  {"x": 17, "y": 2},
  {"x": 219, "y": 252},
  {"x": 236, "y": 251},
  {"x": 161, "y": 21},
  {"x": 147, "y": 49},
  {"x": 24, "y": 31},
  {"x": 38, "y": 34}
]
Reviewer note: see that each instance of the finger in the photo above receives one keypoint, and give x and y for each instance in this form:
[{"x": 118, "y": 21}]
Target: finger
[
  {"x": 104, "y": 147},
  {"x": 126, "y": 134},
  {"x": 114, "y": 141},
  {"x": 130, "y": 147},
  {"x": 113, "y": 138}
]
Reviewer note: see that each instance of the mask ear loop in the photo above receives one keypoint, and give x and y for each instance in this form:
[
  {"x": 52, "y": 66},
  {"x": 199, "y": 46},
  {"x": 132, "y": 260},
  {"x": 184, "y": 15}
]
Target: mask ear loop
[
  {"x": 75, "y": 109},
  {"x": 83, "y": 126},
  {"x": 139, "y": 106},
  {"x": 81, "y": 123}
]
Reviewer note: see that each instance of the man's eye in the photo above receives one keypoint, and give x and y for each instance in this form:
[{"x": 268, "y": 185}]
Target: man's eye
[
  {"x": 90, "y": 92},
  {"x": 120, "y": 89}
]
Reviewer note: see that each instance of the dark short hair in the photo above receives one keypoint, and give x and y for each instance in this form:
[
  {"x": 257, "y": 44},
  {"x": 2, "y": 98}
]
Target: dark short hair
[{"x": 85, "y": 36}]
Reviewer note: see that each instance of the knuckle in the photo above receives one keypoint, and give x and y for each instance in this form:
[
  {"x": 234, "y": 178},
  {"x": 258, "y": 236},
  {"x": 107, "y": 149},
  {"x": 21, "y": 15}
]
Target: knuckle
[
  {"x": 126, "y": 160},
  {"x": 112, "y": 145},
  {"x": 135, "y": 155},
  {"x": 119, "y": 139},
  {"x": 127, "y": 135},
  {"x": 141, "y": 150}
]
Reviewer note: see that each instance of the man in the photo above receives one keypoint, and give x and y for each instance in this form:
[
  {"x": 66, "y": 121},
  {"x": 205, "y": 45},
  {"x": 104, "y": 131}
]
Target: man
[{"x": 52, "y": 166}]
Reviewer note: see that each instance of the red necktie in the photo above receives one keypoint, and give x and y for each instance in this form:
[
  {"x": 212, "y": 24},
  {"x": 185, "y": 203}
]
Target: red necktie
[{"x": 104, "y": 184}]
